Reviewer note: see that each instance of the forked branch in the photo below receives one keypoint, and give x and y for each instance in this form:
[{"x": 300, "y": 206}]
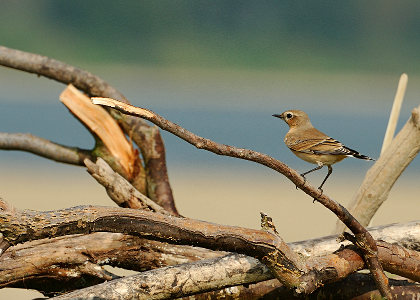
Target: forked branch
[{"x": 151, "y": 144}]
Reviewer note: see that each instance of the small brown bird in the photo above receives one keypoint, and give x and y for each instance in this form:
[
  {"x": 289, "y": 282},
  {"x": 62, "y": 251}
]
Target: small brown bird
[{"x": 313, "y": 146}]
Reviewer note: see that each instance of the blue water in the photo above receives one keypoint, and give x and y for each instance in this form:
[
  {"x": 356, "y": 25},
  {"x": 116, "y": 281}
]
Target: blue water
[
  {"x": 231, "y": 108},
  {"x": 256, "y": 130}
]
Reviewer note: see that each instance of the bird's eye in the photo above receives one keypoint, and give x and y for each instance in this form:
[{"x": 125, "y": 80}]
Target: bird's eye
[{"x": 289, "y": 115}]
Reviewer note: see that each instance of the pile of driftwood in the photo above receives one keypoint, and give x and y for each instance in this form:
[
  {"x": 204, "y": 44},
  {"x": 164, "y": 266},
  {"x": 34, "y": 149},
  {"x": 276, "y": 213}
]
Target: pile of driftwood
[{"x": 62, "y": 253}]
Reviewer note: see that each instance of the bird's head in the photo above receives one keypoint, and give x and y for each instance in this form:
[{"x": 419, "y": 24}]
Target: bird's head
[{"x": 294, "y": 118}]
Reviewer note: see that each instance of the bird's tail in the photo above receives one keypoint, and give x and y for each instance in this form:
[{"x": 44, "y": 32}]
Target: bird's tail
[
  {"x": 361, "y": 156},
  {"x": 356, "y": 154}
]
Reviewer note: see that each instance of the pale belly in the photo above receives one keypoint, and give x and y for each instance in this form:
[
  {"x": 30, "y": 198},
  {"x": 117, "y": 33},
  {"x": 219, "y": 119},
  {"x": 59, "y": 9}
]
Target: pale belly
[{"x": 320, "y": 159}]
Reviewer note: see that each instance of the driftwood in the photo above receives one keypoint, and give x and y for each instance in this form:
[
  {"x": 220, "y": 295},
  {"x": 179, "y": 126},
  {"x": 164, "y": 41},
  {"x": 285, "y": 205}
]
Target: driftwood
[
  {"x": 305, "y": 275},
  {"x": 26, "y": 265},
  {"x": 142, "y": 183}
]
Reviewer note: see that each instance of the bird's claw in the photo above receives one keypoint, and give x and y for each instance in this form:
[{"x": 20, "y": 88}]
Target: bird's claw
[
  {"x": 304, "y": 180},
  {"x": 322, "y": 191}
]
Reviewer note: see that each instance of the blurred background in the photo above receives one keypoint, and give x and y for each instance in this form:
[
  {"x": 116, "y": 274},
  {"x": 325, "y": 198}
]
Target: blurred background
[{"x": 219, "y": 69}]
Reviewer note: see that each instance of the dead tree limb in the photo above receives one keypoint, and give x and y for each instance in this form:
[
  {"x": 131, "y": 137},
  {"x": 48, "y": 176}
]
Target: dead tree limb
[
  {"x": 179, "y": 281},
  {"x": 20, "y": 226},
  {"x": 387, "y": 169},
  {"x": 29, "y": 263},
  {"x": 95, "y": 86},
  {"x": 42, "y": 147},
  {"x": 395, "y": 112},
  {"x": 365, "y": 240},
  {"x": 182, "y": 280}
]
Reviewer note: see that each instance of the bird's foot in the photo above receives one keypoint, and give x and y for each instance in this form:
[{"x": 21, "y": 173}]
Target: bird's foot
[{"x": 304, "y": 180}]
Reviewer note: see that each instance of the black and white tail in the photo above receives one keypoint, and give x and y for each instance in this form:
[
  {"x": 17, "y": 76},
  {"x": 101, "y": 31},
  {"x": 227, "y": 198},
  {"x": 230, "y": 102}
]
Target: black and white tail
[{"x": 356, "y": 154}]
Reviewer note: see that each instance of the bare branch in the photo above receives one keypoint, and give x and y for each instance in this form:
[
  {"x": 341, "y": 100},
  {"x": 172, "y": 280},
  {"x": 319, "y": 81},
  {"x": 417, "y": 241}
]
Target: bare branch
[
  {"x": 385, "y": 172},
  {"x": 152, "y": 149},
  {"x": 57, "y": 70},
  {"x": 42, "y": 147},
  {"x": 46, "y": 265},
  {"x": 26, "y": 225},
  {"x": 183, "y": 280},
  {"x": 365, "y": 240},
  {"x": 119, "y": 189},
  {"x": 31, "y": 261}
]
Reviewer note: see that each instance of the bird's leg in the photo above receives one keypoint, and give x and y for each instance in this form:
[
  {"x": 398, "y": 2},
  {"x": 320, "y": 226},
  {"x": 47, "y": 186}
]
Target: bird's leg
[
  {"x": 326, "y": 177},
  {"x": 311, "y": 170}
]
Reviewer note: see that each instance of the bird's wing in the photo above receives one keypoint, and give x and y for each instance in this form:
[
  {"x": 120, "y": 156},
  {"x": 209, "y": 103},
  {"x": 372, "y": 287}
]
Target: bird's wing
[{"x": 325, "y": 145}]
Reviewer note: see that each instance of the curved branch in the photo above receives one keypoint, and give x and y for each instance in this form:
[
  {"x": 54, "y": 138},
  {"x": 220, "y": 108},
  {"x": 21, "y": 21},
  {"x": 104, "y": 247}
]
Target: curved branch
[
  {"x": 42, "y": 147},
  {"x": 57, "y": 70},
  {"x": 365, "y": 240}
]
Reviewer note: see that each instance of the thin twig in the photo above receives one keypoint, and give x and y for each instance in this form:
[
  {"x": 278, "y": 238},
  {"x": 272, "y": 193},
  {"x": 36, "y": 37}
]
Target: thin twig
[
  {"x": 119, "y": 189},
  {"x": 43, "y": 147},
  {"x": 395, "y": 112}
]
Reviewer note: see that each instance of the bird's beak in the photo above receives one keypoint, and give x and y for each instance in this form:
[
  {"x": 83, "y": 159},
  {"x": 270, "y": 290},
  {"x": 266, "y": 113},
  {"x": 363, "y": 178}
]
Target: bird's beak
[{"x": 278, "y": 116}]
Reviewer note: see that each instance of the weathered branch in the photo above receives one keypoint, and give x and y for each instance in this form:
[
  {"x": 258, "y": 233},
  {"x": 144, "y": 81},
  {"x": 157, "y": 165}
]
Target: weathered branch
[
  {"x": 365, "y": 240},
  {"x": 395, "y": 112},
  {"x": 37, "y": 264},
  {"x": 20, "y": 226},
  {"x": 57, "y": 70},
  {"x": 150, "y": 143},
  {"x": 356, "y": 286},
  {"x": 28, "y": 263},
  {"x": 119, "y": 189},
  {"x": 362, "y": 287},
  {"x": 385, "y": 172},
  {"x": 42, "y": 147},
  {"x": 95, "y": 86},
  {"x": 182, "y": 280}
]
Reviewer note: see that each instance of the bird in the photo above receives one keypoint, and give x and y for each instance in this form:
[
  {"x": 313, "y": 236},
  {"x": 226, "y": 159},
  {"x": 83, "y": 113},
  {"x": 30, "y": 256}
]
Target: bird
[{"x": 312, "y": 145}]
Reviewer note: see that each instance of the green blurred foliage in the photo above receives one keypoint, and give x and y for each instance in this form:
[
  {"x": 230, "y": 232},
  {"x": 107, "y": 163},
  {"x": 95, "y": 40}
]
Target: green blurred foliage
[{"x": 372, "y": 35}]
